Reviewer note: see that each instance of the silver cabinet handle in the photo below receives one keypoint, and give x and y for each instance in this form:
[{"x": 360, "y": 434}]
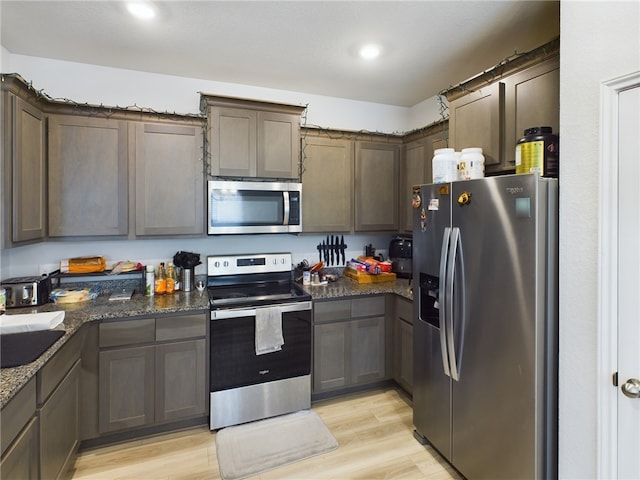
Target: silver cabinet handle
[{"x": 631, "y": 388}]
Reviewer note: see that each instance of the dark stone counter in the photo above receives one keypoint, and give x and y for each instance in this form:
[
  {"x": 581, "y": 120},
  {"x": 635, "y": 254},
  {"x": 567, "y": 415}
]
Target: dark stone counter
[
  {"x": 346, "y": 287},
  {"x": 76, "y": 315}
]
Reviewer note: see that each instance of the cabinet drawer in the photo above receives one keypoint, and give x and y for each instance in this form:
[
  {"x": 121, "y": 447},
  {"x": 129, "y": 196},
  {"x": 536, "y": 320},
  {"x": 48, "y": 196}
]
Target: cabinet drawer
[
  {"x": 17, "y": 413},
  {"x": 56, "y": 368},
  {"x": 404, "y": 310},
  {"x": 368, "y": 306},
  {"x": 128, "y": 332},
  {"x": 331, "y": 310},
  {"x": 184, "y": 326}
]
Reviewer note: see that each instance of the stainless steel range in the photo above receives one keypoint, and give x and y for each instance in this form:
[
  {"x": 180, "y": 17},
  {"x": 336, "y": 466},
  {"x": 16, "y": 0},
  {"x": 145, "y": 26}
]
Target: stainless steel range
[{"x": 260, "y": 348}]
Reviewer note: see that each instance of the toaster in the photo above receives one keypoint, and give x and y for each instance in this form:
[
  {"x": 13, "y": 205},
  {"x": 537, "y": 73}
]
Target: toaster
[{"x": 27, "y": 291}]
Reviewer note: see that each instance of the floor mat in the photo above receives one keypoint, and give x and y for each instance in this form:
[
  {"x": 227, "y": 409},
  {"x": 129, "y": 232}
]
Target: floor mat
[{"x": 256, "y": 447}]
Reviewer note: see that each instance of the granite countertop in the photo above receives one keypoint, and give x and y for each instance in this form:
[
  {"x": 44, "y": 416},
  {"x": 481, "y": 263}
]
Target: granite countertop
[
  {"x": 347, "y": 287},
  {"x": 76, "y": 315}
]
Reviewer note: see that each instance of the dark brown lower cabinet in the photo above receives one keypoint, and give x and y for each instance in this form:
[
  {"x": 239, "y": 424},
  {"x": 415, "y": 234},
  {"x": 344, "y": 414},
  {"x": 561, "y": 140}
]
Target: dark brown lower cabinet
[
  {"x": 180, "y": 384},
  {"x": 154, "y": 376},
  {"x": 19, "y": 436},
  {"x": 60, "y": 426},
  {"x": 403, "y": 349},
  {"x": 351, "y": 345},
  {"x": 20, "y": 461},
  {"x": 126, "y": 388}
]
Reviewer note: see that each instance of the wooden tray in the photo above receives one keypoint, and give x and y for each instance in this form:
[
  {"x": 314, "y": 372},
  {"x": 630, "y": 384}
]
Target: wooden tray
[{"x": 364, "y": 277}]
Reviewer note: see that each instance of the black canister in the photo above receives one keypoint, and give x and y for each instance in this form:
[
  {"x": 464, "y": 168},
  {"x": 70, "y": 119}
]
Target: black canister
[{"x": 537, "y": 152}]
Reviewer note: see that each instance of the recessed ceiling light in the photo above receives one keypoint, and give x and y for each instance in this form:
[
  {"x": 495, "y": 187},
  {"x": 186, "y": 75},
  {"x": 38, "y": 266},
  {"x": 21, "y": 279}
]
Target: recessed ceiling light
[
  {"x": 370, "y": 51},
  {"x": 141, "y": 10}
]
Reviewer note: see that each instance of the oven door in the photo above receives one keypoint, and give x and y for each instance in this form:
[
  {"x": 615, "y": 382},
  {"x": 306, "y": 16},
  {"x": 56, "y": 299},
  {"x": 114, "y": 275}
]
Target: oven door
[{"x": 233, "y": 358}]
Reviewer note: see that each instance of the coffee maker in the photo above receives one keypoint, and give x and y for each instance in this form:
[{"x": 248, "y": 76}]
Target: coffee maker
[{"x": 400, "y": 255}]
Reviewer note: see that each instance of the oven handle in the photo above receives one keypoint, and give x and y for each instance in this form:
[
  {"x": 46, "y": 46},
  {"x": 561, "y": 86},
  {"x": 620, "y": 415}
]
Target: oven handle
[{"x": 251, "y": 312}]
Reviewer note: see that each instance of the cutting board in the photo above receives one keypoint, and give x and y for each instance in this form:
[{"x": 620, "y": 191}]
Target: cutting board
[{"x": 364, "y": 277}]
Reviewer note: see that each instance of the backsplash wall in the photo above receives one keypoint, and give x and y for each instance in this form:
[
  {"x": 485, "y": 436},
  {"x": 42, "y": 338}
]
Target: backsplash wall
[{"x": 45, "y": 257}]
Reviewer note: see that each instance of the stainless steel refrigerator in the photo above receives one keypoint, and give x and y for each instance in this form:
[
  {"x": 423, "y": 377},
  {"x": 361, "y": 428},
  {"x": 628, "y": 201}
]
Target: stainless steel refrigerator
[{"x": 485, "y": 270}]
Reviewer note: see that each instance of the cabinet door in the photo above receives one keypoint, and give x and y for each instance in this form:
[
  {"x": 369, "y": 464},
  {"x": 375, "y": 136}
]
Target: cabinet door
[
  {"x": 331, "y": 346},
  {"x": 532, "y": 99},
  {"x": 169, "y": 179},
  {"x": 376, "y": 187},
  {"x": 88, "y": 189},
  {"x": 278, "y": 145},
  {"x": 28, "y": 180},
  {"x": 232, "y": 141},
  {"x": 368, "y": 350},
  {"x": 404, "y": 355},
  {"x": 475, "y": 120},
  {"x": 126, "y": 397},
  {"x": 414, "y": 172},
  {"x": 60, "y": 426},
  {"x": 403, "y": 361},
  {"x": 180, "y": 380},
  {"x": 21, "y": 459},
  {"x": 327, "y": 183}
]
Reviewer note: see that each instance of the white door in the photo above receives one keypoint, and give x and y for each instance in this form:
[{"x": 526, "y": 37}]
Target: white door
[
  {"x": 619, "y": 286},
  {"x": 629, "y": 284}
]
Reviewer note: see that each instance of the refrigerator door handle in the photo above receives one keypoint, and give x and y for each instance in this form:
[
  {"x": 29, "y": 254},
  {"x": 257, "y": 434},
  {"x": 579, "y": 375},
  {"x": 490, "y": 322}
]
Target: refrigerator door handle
[
  {"x": 456, "y": 319},
  {"x": 442, "y": 299}
]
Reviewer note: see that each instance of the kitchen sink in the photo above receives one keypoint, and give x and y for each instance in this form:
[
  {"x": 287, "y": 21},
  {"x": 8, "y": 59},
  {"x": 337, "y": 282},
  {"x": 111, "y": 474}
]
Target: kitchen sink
[{"x": 21, "y": 348}]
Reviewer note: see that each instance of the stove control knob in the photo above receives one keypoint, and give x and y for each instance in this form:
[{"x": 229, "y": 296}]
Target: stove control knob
[
  {"x": 216, "y": 264},
  {"x": 226, "y": 263}
]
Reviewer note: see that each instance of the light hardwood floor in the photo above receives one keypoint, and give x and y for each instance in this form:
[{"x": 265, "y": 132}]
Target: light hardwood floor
[{"x": 374, "y": 431}]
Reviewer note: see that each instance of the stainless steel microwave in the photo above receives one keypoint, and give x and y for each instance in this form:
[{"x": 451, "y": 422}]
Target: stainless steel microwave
[{"x": 254, "y": 207}]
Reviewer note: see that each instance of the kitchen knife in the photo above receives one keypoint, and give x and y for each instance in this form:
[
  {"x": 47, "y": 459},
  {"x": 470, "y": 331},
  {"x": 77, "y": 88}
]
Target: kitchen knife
[
  {"x": 326, "y": 252},
  {"x": 319, "y": 252},
  {"x": 331, "y": 250},
  {"x": 342, "y": 249}
]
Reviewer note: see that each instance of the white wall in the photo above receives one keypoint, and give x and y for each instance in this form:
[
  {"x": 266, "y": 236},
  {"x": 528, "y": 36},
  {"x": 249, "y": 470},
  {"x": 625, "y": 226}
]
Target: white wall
[
  {"x": 113, "y": 86},
  {"x": 4, "y": 59},
  {"x": 108, "y": 86},
  {"x": 599, "y": 41},
  {"x": 45, "y": 257}
]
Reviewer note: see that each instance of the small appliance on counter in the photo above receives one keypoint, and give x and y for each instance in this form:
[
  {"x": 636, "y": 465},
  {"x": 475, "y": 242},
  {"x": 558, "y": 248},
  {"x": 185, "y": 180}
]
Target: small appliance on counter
[
  {"x": 401, "y": 254},
  {"x": 27, "y": 291}
]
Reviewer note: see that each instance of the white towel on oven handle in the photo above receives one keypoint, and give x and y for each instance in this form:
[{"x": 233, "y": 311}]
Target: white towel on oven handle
[{"x": 268, "y": 336}]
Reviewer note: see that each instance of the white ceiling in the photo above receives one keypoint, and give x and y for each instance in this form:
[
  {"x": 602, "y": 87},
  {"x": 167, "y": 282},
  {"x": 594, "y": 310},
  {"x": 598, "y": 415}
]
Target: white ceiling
[{"x": 302, "y": 46}]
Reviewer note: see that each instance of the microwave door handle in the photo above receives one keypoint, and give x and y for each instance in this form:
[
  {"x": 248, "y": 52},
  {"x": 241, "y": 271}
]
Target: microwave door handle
[{"x": 287, "y": 206}]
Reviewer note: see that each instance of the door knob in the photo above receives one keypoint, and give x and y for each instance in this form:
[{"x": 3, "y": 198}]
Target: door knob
[{"x": 631, "y": 388}]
